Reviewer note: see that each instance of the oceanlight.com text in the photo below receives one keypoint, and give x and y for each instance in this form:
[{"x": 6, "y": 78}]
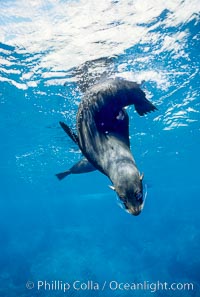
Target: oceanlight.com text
[{"x": 113, "y": 285}]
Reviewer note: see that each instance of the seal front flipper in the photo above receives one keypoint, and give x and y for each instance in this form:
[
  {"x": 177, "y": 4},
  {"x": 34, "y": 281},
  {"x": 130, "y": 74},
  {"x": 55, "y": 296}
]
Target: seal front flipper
[
  {"x": 62, "y": 175},
  {"x": 83, "y": 166},
  {"x": 69, "y": 132}
]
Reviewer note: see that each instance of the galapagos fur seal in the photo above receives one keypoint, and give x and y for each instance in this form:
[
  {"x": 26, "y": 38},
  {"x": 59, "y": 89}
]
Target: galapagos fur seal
[{"x": 103, "y": 137}]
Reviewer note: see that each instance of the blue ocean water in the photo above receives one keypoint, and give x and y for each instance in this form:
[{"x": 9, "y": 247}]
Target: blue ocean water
[{"x": 73, "y": 230}]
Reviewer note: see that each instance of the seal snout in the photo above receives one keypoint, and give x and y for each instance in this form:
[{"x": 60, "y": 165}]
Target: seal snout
[
  {"x": 134, "y": 210},
  {"x": 134, "y": 203}
]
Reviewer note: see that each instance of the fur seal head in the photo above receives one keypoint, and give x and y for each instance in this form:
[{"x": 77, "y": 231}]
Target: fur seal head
[{"x": 129, "y": 188}]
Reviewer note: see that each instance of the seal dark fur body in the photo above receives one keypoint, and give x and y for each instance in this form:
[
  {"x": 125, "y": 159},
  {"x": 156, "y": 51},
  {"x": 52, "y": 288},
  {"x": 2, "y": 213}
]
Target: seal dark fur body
[{"x": 103, "y": 135}]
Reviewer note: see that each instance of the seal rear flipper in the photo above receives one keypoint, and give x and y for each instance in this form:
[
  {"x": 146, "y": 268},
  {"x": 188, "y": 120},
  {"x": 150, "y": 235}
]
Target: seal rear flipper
[
  {"x": 137, "y": 97},
  {"x": 69, "y": 132},
  {"x": 111, "y": 96},
  {"x": 144, "y": 107}
]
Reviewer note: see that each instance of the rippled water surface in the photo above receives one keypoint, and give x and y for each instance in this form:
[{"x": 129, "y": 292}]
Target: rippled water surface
[{"x": 51, "y": 51}]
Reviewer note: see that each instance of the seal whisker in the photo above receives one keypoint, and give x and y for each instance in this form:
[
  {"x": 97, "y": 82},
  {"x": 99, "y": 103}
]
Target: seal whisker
[{"x": 145, "y": 197}]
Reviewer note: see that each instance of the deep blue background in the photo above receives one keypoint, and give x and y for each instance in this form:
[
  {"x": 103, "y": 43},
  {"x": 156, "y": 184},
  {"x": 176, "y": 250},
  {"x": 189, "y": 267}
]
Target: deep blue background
[{"x": 74, "y": 229}]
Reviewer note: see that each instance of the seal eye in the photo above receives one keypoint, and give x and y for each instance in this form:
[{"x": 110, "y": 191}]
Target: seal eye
[{"x": 139, "y": 197}]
